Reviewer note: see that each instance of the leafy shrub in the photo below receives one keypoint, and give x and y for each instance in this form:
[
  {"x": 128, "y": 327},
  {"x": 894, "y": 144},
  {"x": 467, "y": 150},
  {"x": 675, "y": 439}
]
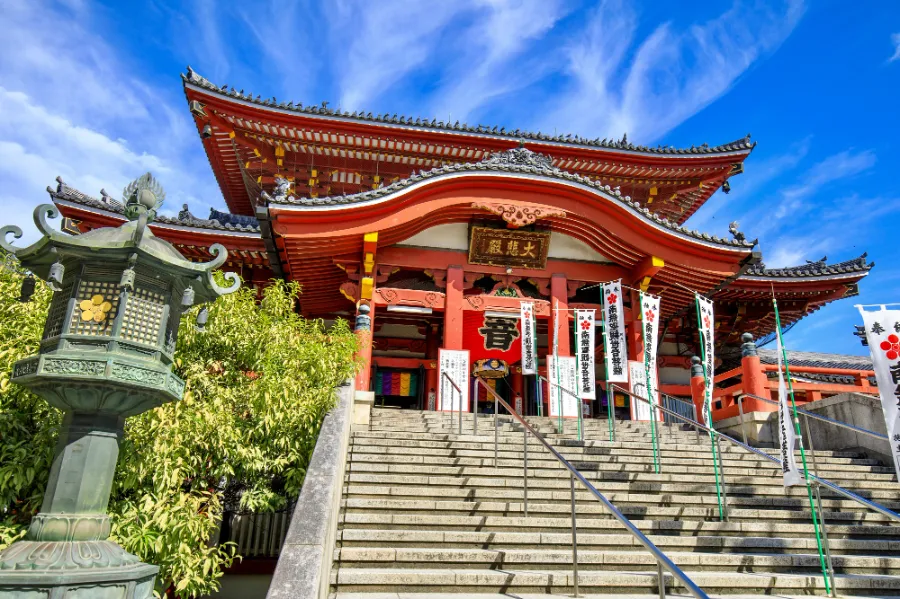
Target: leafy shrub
[{"x": 259, "y": 382}]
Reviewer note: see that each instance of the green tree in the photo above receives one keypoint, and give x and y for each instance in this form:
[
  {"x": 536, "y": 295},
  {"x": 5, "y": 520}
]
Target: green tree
[{"x": 259, "y": 382}]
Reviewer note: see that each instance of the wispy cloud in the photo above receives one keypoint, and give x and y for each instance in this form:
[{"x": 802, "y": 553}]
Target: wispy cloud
[
  {"x": 840, "y": 166},
  {"x": 68, "y": 106},
  {"x": 672, "y": 75},
  {"x": 748, "y": 187},
  {"x": 382, "y": 43},
  {"x": 840, "y": 225},
  {"x": 499, "y": 35},
  {"x": 895, "y": 39}
]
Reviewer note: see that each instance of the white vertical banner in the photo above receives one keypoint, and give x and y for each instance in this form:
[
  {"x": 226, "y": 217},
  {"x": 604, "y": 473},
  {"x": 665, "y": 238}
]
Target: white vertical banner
[
  {"x": 455, "y": 363},
  {"x": 650, "y": 318},
  {"x": 584, "y": 339},
  {"x": 616, "y": 348},
  {"x": 883, "y": 335},
  {"x": 640, "y": 411},
  {"x": 707, "y": 324},
  {"x": 529, "y": 359},
  {"x": 787, "y": 434},
  {"x": 568, "y": 380}
]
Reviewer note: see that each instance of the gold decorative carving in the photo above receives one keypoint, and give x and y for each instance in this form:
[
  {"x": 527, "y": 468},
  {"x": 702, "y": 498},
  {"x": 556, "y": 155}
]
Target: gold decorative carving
[{"x": 517, "y": 215}]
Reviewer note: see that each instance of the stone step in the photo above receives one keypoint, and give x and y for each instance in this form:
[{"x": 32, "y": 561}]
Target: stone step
[
  {"x": 427, "y": 512},
  {"x": 623, "y": 541},
  {"x": 709, "y": 499},
  {"x": 480, "y": 441},
  {"x": 588, "y": 524},
  {"x": 622, "y": 582},
  {"x": 546, "y": 465},
  {"x": 355, "y": 505},
  {"x": 609, "y": 482},
  {"x": 471, "y": 595},
  {"x": 518, "y": 559},
  {"x": 622, "y": 455}
]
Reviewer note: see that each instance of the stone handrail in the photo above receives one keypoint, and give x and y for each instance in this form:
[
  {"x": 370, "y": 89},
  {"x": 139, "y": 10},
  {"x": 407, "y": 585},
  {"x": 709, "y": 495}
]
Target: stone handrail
[{"x": 304, "y": 566}]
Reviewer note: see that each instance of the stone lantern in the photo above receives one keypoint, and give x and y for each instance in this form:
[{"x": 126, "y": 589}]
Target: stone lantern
[{"x": 106, "y": 354}]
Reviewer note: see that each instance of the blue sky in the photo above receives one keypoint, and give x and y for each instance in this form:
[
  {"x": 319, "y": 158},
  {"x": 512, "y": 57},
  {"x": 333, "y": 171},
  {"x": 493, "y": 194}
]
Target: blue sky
[{"x": 90, "y": 91}]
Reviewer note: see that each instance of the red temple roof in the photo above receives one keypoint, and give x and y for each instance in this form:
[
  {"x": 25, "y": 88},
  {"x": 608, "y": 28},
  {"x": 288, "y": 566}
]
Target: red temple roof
[{"x": 326, "y": 152}]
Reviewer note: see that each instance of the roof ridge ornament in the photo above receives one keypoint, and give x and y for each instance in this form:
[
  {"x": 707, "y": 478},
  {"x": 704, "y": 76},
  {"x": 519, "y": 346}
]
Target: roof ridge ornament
[
  {"x": 733, "y": 229},
  {"x": 143, "y": 196},
  {"x": 520, "y": 156},
  {"x": 281, "y": 191}
]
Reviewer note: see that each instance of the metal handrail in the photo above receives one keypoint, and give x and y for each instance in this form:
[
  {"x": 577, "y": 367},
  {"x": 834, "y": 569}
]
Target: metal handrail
[
  {"x": 444, "y": 375},
  {"x": 840, "y": 423},
  {"x": 822, "y": 481},
  {"x": 662, "y": 559}
]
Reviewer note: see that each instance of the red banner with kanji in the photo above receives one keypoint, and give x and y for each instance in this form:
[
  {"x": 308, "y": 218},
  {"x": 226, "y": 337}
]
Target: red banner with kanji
[{"x": 492, "y": 336}]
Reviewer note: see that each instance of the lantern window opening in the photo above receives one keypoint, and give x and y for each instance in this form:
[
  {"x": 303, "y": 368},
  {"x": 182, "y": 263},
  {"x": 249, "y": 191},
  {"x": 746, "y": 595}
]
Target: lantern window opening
[
  {"x": 56, "y": 314},
  {"x": 96, "y": 307}
]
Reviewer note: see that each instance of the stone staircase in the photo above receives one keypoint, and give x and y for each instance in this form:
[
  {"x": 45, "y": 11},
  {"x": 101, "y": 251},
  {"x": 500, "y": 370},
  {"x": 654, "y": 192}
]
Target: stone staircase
[{"x": 426, "y": 510}]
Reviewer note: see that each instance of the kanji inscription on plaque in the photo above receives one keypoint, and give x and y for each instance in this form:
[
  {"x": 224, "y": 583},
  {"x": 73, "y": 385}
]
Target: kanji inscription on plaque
[{"x": 506, "y": 247}]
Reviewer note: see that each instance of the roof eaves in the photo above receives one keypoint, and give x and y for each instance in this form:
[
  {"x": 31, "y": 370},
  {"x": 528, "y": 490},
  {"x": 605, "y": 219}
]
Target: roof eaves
[
  {"x": 813, "y": 269},
  {"x": 516, "y": 161},
  {"x": 742, "y": 145},
  {"x": 110, "y": 205}
]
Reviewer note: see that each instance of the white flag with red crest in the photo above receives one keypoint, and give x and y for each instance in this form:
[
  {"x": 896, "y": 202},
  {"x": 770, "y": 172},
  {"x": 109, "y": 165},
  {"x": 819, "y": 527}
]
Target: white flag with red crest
[{"x": 883, "y": 335}]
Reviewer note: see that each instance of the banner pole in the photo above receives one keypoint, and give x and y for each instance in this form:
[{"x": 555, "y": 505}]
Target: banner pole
[
  {"x": 650, "y": 394},
  {"x": 559, "y": 401},
  {"x": 709, "y": 422},
  {"x": 603, "y": 331},
  {"x": 796, "y": 424},
  {"x": 537, "y": 375},
  {"x": 578, "y": 374}
]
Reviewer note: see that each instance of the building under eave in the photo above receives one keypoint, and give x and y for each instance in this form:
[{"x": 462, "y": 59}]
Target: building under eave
[{"x": 435, "y": 226}]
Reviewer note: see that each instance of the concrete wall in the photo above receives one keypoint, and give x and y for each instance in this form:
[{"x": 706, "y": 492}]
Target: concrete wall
[{"x": 863, "y": 411}]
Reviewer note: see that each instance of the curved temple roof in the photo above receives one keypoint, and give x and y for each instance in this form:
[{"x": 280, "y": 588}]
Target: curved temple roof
[
  {"x": 249, "y": 141},
  {"x": 221, "y": 221},
  {"x": 742, "y": 144},
  {"x": 519, "y": 160},
  {"x": 818, "y": 268}
]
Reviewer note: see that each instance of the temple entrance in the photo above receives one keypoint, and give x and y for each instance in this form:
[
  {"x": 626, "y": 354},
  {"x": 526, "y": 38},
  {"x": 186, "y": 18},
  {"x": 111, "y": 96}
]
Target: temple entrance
[{"x": 400, "y": 388}]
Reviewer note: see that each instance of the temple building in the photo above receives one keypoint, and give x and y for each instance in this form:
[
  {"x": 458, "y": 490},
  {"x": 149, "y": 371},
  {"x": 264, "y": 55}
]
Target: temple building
[{"x": 429, "y": 234}]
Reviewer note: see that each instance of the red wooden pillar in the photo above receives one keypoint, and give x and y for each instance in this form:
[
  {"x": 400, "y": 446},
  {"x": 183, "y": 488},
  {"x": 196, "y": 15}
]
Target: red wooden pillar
[
  {"x": 634, "y": 330},
  {"x": 559, "y": 300},
  {"x": 453, "y": 309},
  {"x": 363, "y": 329},
  {"x": 518, "y": 384},
  {"x": 753, "y": 377}
]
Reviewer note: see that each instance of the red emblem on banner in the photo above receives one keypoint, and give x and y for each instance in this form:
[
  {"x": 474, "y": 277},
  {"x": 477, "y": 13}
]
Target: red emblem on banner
[{"x": 492, "y": 337}]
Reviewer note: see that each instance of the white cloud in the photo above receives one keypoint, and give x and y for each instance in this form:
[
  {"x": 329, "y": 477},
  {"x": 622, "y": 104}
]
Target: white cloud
[
  {"x": 747, "y": 187},
  {"x": 895, "y": 39},
  {"x": 839, "y": 225},
  {"x": 484, "y": 68},
  {"x": 840, "y": 166},
  {"x": 381, "y": 43},
  {"x": 672, "y": 75},
  {"x": 69, "y": 106}
]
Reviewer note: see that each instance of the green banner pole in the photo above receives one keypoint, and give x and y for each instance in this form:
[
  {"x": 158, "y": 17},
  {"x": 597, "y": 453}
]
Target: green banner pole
[
  {"x": 795, "y": 417},
  {"x": 609, "y": 407},
  {"x": 650, "y": 394},
  {"x": 709, "y": 422},
  {"x": 578, "y": 373},
  {"x": 559, "y": 402},
  {"x": 537, "y": 373}
]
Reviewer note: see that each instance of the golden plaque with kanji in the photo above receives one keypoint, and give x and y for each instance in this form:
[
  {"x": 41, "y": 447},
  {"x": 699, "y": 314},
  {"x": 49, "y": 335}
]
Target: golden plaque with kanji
[{"x": 508, "y": 247}]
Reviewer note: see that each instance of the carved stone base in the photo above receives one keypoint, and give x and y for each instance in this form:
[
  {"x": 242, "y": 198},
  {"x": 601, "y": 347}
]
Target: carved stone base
[{"x": 73, "y": 570}]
